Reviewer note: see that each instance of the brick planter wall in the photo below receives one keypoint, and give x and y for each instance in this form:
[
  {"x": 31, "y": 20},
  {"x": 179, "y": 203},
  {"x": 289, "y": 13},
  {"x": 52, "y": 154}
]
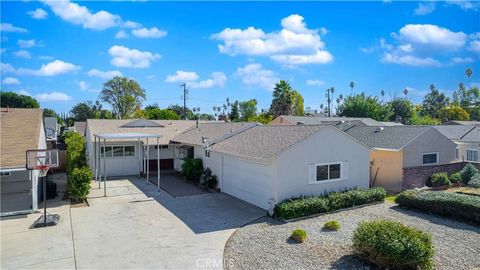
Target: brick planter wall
[{"x": 417, "y": 176}]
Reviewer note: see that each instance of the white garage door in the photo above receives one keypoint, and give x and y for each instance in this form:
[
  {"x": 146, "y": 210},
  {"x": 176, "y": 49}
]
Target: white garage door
[{"x": 247, "y": 181}]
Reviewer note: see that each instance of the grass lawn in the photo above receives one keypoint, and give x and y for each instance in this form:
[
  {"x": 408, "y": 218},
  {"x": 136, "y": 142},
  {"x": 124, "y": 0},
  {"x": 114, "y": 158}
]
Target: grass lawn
[
  {"x": 465, "y": 190},
  {"x": 390, "y": 198}
]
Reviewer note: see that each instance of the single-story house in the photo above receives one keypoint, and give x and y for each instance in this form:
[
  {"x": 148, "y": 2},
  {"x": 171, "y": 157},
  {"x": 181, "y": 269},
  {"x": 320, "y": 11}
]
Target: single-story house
[
  {"x": 264, "y": 165},
  {"x": 80, "y": 127},
  {"x": 395, "y": 148},
  {"x": 467, "y": 139},
  {"x": 460, "y": 122},
  {"x": 20, "y": 130},
  {"x": 125, "y": 157},
  {"x": 323, "y": 120}
]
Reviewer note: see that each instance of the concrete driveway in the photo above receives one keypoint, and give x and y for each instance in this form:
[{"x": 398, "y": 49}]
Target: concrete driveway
[{"x": 135, "y": 226}]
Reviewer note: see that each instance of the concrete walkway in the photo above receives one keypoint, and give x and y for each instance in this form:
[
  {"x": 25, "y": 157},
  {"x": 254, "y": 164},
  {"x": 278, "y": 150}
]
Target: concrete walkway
[{"x": 134, "y": 227}]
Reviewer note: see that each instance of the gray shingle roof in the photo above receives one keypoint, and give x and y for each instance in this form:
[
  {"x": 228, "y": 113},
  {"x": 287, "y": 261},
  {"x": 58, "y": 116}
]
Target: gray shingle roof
[
  {"x": 454, "y": 132},
  {"x": 213, "y": 131},
  {"x": 264, "y": 142},
  {"x": 473, "y": 135},
  {"x": 315, "y": 120},
  {"x": 393, "y": 137}
]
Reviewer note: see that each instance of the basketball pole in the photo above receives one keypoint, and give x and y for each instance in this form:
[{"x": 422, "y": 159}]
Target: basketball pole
[{"x": 44, "y": 178}]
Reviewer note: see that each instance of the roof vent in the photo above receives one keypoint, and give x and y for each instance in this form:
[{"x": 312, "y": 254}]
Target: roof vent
[
  {"x": 378, "y": 129},
  {"x": 340, "y": 122},
  {"x": 300, "y": 123},
  {"x": 141, "y": 123}
]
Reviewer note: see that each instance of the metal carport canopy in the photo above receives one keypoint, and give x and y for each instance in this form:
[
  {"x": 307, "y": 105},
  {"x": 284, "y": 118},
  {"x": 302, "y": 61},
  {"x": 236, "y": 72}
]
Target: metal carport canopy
[{"x": 126, "y": 135}]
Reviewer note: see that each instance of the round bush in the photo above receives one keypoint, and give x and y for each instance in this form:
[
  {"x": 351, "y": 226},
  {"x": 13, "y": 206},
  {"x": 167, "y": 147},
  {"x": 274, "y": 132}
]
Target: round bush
[
  {"x": 468, "y": 172},
  {"x": 475, "y": 181},
  {"x": 440, "y": 179},
  {"x": 455, "y": 178},
  {"x": 393, "y": 245},
  {"x": 299, "y": 235},
  {"x": 332, "y": 225}
]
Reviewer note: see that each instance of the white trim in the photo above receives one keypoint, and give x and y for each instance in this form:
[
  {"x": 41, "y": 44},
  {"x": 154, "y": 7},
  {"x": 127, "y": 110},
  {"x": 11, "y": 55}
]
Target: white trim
[
  {"x": 430, "y": 153},
  {"x": 473, "y": 150},
  {"x": 13, "y": 169},
  {"x": 315, "y": 181}
]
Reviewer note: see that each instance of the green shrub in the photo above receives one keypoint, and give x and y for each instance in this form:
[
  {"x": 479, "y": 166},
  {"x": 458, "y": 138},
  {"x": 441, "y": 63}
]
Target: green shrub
[
  {"x": 459, "y": 206},
  {"x": 192, "y": 169},
  {"x": 475, "y": 181},
  {"x": 305, "y": 206},
  {"x": 76, "y": 156},
  {"x": 455, "y": 178},
  {"x": 332, "y": 225},
  {"x": 80, "y": 183},
  {"x": 440, "y": 179},
  {"x": 467, "y": 172},
  {"x": 393, "y": 245},
  {"x": 299, "y": 235}
]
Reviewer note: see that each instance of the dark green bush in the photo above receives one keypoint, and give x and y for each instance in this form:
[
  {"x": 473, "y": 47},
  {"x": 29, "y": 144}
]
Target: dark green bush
[
  {"x": 80, "y": 183},
  {"x": 475, "y": 181},
  {"x": 299, "y": 235},
  {"x": 467, "y": 172},
  {"x": 393, "y": 245},
  {"x": 305, "y": 206},
  {"x": 455, "y": 178},
  {"x": 440, "y": 179},
  {"x": 192, "y": 169},
  {"x": 332, "y": 225},
  {"x": 458, "y": 206},
  {"x": 76, "y": 155}
]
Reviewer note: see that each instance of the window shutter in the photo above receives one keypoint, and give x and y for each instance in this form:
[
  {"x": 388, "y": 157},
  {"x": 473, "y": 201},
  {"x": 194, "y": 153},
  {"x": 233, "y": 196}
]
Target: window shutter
[
  {"x": 344, "y": 170},
  {"x": 311, "y": 173}
]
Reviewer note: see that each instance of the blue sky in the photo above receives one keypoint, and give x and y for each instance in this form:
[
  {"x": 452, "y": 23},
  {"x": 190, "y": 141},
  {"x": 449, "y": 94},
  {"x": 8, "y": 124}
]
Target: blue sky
[{"x": 61, "y": 52}]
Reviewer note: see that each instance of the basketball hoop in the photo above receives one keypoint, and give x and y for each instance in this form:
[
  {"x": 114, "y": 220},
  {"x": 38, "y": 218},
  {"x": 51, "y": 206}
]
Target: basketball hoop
[{"x": 42, "y": 170}]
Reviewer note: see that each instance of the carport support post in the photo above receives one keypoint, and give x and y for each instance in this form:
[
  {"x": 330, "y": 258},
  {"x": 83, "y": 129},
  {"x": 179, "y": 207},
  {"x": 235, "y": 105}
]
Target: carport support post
[
  {"x": 148, "y": 160},
  {"x": 105, "y": 168},
  {"x": 139, "y": 160},
  {"x": 95, "y": 157},
  {"x": 158, "y": 165},
  {"x": 100, "y": 162}
]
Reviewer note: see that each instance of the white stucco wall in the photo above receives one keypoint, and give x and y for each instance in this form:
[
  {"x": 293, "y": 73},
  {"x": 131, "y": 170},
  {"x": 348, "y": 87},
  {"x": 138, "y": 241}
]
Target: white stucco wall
[
  {"x": 462, "y": 149},
  {"x": 325, "y": 146}
]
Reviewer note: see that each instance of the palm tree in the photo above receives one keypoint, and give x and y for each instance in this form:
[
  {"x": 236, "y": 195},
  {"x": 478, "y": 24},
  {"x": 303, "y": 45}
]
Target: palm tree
[
  {"x": 382, "y": 93},
  {"x": 469, "y": 72},
  {"x": 352, "y": 85},
  {"x": 405, "y": 92}
]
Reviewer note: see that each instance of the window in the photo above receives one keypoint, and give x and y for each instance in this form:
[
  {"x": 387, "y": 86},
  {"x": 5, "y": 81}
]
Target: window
[
  {"x": 3, "y": 174},
  {"x": 429, "y": 158},
  {"x": 163, "y": 146},
  {"x": 328, "y": 171},
  {"x": 118, "y": 151},
  {"x": 472, "y": 155},
  {"x": 207, "y": 153}
]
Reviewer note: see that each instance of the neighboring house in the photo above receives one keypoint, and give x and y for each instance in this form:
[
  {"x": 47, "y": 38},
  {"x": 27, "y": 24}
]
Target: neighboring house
[
  {"x": 264, "y": 165},
  {"x": 459, "y": 122},
  {"x": 467, "y": 139},
  {"x": 52, "y": 130},
  {"x": 395, "y": 148},
  {"x": 345, "y": 122},
  {"x": 21, "y": 130},
  {"x": 80, "y": 127},
  {"x": 125, "y": 157}
]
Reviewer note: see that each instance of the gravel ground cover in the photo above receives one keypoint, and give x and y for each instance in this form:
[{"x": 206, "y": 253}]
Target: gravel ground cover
[{"x": 264, "y": 244}]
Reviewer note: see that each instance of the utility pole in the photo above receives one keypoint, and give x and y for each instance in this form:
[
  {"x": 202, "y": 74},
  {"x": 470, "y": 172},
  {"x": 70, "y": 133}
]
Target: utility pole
[
  {"x": 328, "y": 101},
  {"x": 185, "y": 93}
]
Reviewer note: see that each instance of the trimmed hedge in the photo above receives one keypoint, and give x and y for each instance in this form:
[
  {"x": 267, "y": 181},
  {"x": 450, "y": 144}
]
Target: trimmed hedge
[
  {"x": 192, "y": 169},
  {"x": 393, "y": 245},
  {"x": 458, "y": 206},
  {"x": 305, "y": 206},
  {"x": 440, "y": 179},
  {"x": 455, "y": 178}
]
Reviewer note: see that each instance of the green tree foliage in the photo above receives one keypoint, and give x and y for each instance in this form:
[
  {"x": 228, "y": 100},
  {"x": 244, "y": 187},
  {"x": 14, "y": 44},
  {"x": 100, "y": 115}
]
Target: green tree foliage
[
  {"x": 79, "y": 183},
  {"x": 206, "y": 117},
  {"x": 14, "y": 100},
  {"x": 365, "y": 106},
  {"x": 49, "y": 113},
  {"x": 282, "y": 103},
  {"x": 298, "y": 108},
  {"x": 453, "y": 112},
  {"x": 160, "y": 114},
  {"x": 264, "y": 117},
  {"x": 402, "y": 108},
  {"x": 433, "y": 102},
  {"x": 76, "y": 155},
  {"x": 234, "y": 114},
  {"x": 124, "y": 95},
  {"x": 466, "y": 98},
  {"x": 248, "y": 110},
  {"x": 474, "y": 113},
  {"x": 88, "y": 110},
  {"x": 179, "y": 111}
]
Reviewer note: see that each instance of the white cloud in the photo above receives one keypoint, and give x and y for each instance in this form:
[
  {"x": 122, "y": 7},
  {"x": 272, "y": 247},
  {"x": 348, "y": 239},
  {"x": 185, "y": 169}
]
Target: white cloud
[
  {"x": 465, "y": 5},
  {"x": 182, "y": 76},
  {"x": 83, "y": 85},
  {"x": 28, "y": 43},
  {"x": 315, "y": 82},
  {"x": 409, "y": 60},
  {"x": 462, "y": 60},
  {"x": 80, "y": 15},
  {"x": 23, "y": 54},
  {"x": 52, "y": 97},
  {"x": 8, "y": 27},
  {"x": 256, "y": 75},
  {"x": 425, "y": 8},
  {"x": 133, "y": 58},
  {"x": 474, "y": 46},
  {"x": 131, "y": 24},
  {"x": 217, "y": 80},
  {"x": 38, "y": 14},
  {"x": 121, "y": 34},
  {"x": 104, "y": 74},
  {"x": 294, "y": 44},
  {"x": 11, "y": 80},
  {"x": 53, "y": 68},
  {"x": 24, "y": 92},
  {"x": 46, "y": 57},
  {"x": 149, "y": 33}
]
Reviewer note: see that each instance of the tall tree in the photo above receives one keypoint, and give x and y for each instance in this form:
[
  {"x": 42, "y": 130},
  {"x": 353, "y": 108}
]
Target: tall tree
[
  {"x": 124, "y": 95},
  {"x": 282, "y": 103},
  {"x": 159, "y": 114},
  {"x": 248, "y": 109},
  {"x": 14, "y": 100},
  {"x": 365, "y": 106},
  {"x": 433, "y": 102},
  {"x": 298, "y": 108},
  {"x": 402, "y": 110},
  {"x": 352, "y": 85},
  {"x": 234, "y": 112},
  {"x": 466, "y": 98},
  {"x": 453, "y": 112},
  {"x": 83, "y": 111},
  {"x": 179, "y": 111}
]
